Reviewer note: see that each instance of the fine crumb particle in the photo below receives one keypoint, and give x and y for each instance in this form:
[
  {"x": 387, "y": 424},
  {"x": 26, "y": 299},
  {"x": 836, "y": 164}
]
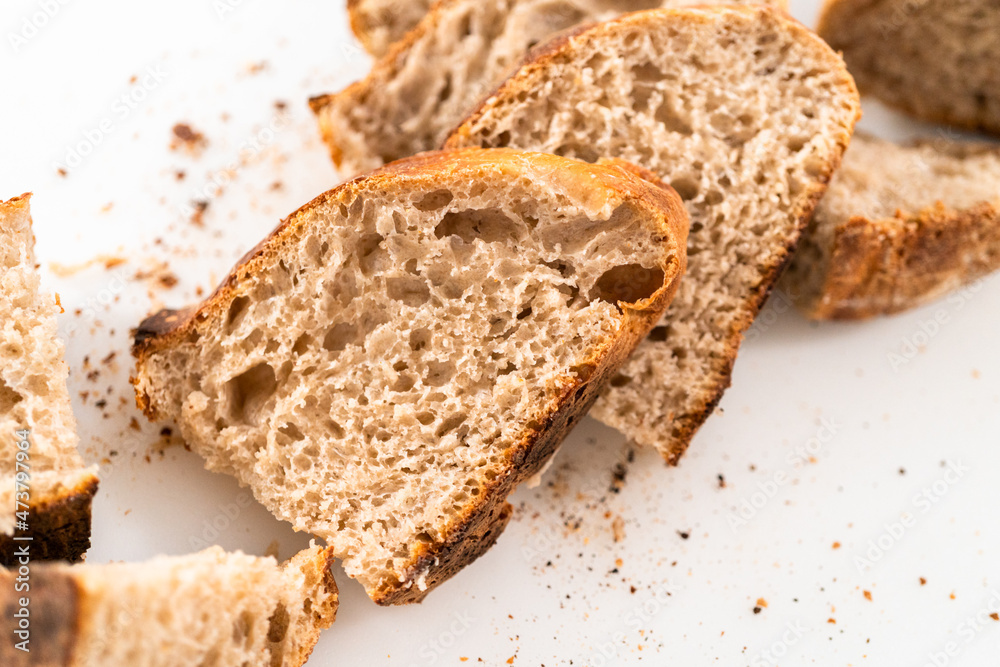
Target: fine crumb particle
[
  {"x": 618, "y": 528},
  {"x": 868, "y": 595},
  {"x": 134, "y": 424},
  {"x": 762, "y": 603},
  {"x": 684, "y": 534},
  {"x": 995, "y": 616},
  {"x": 952, "y": 596},
  {"x": 187, "y": 138},
  {"x": 831, "y": 621},
  {"x": 757, "y": 610},
  {"x": 722, "y": 481},
  {"x": 923, "y": 582},
  {"x": 836, "y": 545},
  {"x": 198, "y": 216},
  {"x": 61, "y": 172},
  {"x": 463, "y": 659},
  {"x": 976, "y": 374},
  {"x": 618, "y": 477}
]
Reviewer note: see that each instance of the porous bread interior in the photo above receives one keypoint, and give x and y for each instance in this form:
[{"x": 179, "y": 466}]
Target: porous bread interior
[
  {"x": 211, "y": 609},
  {"x": 744, "y": 113},
  {"x": 382, "y": 22},
  {"x": 33, "y": 393},
  {"x": 935, "y": 58},
  {"x": 367, "y": 382},
  {"x": 462, "y": 51},
  {"x": 887, "y": 182}
]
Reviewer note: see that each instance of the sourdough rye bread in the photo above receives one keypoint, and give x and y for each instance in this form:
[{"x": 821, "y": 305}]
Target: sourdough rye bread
[
  {"x": 400, "y": 353},
  {"x": 429, "y": 82},
  {"x": 54, "y": 486},
  {"x": 380, "y": 23},
  {"x": 935, "y": 59},
  {"x": 747, "y": 114},
  {"x": 899, "y": 226},
  {"x": 210, "y": 609}
]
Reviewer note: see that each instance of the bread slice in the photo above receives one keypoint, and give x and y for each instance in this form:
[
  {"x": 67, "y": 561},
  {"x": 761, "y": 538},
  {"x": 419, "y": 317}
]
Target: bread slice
[
  {"x": 211, "y": 609},
  {"x": 422, "y": 89},
  {"x": 386, "y": 367},
  {"x": 35, "y": 410},
  {"x": 934, "y": 59},
  {"x": 747, "y": 114},
  {"x": 900, "y": 226},
  {"x": 380, "y": 23}
]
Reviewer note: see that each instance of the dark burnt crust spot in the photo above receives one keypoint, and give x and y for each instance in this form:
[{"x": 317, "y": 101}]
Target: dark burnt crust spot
[{"x": 60, "y": 528}]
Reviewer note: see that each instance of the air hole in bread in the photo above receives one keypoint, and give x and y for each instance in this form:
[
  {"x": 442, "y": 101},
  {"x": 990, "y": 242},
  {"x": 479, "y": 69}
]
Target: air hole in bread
[
  {"x": 629, "y": 283},
  {"x": 237, "y": 309},
  {"x": 8, "y": 398},
  {"x": 249, "y": 392},
  {"x": 340, "y": 336},
  {"x": 432, "y": 201},
  {"x": 439, "y": 373},
  {"x": 411, "y": 292},
  {"x": 487, "y": 225}
]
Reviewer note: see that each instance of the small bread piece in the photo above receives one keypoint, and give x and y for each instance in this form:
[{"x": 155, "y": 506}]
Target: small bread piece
[
  {"x": 900, "y": 226},
  {"x": 747, "y": 114},
  {"x": 429, "y": 82},
  {"x": 33, "y": 398},
  {"x": 380, "y": 23},
  {"x": 210, "y": 609},
  {"x": 934, "y": 59},
  {"x": 400, "y": 353}
]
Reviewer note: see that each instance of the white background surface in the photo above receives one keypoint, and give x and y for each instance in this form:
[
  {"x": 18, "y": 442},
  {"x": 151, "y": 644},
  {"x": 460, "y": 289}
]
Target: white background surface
[{"x": 693, "y": 598}]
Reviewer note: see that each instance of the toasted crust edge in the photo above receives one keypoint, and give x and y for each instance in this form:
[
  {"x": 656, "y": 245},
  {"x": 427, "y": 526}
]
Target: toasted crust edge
[
  {"x": 470, "y": 535},
  {"x": 689, "y": 424},
  {"x": 888, "y": 266},
  {"x": 59, "y": 526}
]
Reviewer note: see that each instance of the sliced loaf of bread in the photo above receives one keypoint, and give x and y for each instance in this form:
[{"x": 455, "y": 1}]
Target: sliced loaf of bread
[
  {"x": 45, "y": 489},
  {"x": 210, "y": 609},
  {"x": 935, "y": 59},
  {"x": 400, "y": 353},
  {"x": 380, "y": 23},
  {"x": 900, "y": 226},
  {"x": 747, "y": 114},
  {"x": 429, "y": 82}
]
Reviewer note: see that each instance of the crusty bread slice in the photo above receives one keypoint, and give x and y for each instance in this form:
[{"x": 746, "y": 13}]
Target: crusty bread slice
[
  {"x": 386, "y": 367},
  {"x": 380, "y": 23},
  {"x": 429, "y": 82},
  {"x": 747, "y": 114},
  {"x": 900, "y": 226},
  {"x": 34, "y": 403},
  {"x": 210, "y": 609},
  {"x": 934, "y": 59}
]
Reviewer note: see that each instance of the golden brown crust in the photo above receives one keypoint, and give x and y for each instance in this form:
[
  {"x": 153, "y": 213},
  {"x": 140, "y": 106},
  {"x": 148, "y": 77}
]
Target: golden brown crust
[
  {"x": 55, "y": 615},
  {"x": 59, "y": 526},
  {"x": 882, "y": 267},
  {"x": 468, "y": 536},
  {"x": 686, "y": 425}
]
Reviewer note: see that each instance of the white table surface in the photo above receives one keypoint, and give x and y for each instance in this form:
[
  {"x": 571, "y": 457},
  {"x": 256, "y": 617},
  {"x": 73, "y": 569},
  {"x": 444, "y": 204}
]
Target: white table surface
[{"x": 823, "y": 440}]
